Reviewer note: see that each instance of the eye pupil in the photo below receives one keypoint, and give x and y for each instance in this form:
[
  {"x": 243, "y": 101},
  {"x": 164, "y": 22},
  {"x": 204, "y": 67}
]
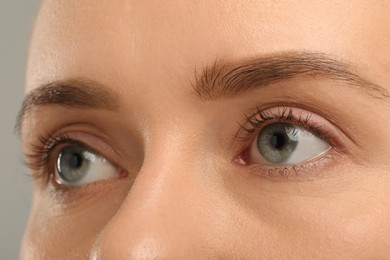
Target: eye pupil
[
  {"x": 278, "y": 141},
  {"x": 75, "y": 161}
]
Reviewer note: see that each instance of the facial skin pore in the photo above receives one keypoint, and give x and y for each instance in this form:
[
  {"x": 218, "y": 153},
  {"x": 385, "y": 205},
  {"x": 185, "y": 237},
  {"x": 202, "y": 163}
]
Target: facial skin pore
[{"x": 162, "y": 90}]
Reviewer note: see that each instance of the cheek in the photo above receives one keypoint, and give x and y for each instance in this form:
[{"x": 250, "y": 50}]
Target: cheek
[
  {"x": 67, "y": 225},
  {"x": 365, "y": 235},
  {"x": 359, "y": 229},
  {"x": 357, "y": 232}
]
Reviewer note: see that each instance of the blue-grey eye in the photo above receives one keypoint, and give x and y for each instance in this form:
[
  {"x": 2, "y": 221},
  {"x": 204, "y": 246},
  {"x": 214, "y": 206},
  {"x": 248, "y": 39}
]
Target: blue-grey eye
[
  {"x": 76, "y": 165},
  {"x": 286, "y": 144}
]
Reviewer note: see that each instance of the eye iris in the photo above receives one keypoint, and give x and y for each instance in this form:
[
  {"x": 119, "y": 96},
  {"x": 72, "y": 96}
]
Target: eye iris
[
  {"x": 275, "y": 143},
  {"x": 72, "y": 163}
]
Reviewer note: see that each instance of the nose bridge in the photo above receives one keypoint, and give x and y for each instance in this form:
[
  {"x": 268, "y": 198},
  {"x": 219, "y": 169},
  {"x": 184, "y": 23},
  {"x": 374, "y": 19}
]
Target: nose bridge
[{"x": 157, "y": 217}]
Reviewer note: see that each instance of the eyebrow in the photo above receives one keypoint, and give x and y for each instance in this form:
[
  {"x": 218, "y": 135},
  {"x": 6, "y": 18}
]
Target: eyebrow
[
  {"x": 230, "y": 79},
  {"x": 217, "y": 81},
  {"x": 79, "y": 93}
]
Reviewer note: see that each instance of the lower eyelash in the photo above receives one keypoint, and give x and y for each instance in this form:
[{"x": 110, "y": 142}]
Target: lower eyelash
[{"x": 295, "y": 173}]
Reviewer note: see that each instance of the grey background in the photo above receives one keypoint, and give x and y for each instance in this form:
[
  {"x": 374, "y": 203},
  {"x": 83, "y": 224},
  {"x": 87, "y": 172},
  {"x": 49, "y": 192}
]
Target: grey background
[{"x": 16, "y": 22}]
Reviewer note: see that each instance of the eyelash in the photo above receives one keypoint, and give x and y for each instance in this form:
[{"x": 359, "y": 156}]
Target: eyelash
[
  {"x": 42, "y": 154},
  {"x": 261, "y": 118}
]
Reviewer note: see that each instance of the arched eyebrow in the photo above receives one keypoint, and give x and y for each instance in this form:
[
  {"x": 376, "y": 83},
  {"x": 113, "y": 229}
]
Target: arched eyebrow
[
  {"x": 223, "y": 80},
  {"x": 79, "y": 93}
]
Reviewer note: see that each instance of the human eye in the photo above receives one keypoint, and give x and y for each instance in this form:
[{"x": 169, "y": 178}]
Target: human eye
[
  {"x": 76, "y": 165},
  {"x": 285, "y": 141},
  {"x": 69, "y": 161},
  {"x": 286, "y": 144}
]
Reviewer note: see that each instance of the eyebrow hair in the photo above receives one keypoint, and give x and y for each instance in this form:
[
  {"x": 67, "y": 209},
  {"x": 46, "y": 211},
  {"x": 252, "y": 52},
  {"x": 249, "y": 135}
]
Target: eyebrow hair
[
  {"x": 79, "y": 93},
  {"x": 217, "y": 81},
  {"x": 230, "y": 79}
]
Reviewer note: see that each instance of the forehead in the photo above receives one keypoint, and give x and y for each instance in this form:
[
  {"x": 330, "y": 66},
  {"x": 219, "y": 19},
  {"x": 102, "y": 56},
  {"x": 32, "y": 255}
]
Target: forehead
[{"x": 160, "y": 41}]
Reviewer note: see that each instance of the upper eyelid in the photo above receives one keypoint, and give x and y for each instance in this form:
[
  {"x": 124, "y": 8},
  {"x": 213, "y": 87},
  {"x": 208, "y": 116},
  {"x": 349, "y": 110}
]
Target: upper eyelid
[
  {"x": 252, "y": 120},
  {"x": 288, "y": 114},
  {"x": 283, "y": 112}
]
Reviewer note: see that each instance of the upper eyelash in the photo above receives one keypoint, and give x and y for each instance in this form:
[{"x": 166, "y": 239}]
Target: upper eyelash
[
  {"x": 284, "y": 114},
  {"x": 41, "y": 153}
]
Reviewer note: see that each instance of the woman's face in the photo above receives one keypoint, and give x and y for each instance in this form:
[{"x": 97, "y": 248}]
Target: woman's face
[{"x": 209, "y": 129}]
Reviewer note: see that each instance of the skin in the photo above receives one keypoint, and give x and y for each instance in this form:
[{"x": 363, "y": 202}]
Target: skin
[{"x": 184, "y": 194}]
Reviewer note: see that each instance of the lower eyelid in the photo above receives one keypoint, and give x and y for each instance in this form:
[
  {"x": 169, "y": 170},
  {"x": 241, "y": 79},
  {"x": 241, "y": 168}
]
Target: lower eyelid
[{"x": 317, "y": 168}]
